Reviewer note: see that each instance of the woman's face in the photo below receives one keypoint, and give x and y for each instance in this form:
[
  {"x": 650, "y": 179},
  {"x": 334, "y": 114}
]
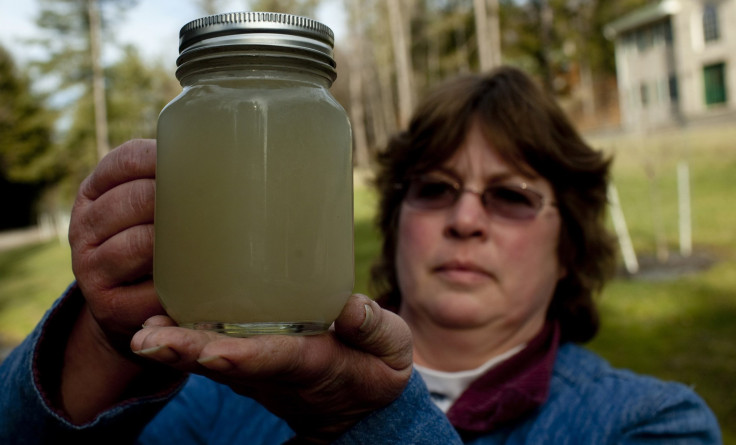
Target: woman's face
[{"x": 462, "y": 267}]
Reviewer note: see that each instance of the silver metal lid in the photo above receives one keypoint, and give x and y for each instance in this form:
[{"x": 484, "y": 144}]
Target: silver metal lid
[{"x": 256, "y": 28}]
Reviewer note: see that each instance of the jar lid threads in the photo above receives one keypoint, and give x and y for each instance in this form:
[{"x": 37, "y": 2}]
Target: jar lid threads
[{"x": 271, "y": 34}]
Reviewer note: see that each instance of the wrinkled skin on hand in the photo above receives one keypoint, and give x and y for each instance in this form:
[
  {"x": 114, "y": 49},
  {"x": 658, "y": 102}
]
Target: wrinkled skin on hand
[
  {"x": 111, "y": 238},
  {"x": 320, "y": 384}
]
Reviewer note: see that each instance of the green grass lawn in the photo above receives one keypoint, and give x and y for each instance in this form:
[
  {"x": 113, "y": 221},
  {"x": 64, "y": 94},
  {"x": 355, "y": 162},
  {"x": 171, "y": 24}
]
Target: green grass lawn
[
  {"x": 680, "y": 328},
  {"x": 31, "y": 278}
]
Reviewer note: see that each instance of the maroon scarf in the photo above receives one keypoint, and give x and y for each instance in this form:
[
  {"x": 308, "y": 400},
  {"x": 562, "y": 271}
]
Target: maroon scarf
[{"x": 509, "y": 390}]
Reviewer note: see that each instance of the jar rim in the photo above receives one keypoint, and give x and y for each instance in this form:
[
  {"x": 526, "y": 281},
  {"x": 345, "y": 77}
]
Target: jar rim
[{"x": 264, "y": 27}]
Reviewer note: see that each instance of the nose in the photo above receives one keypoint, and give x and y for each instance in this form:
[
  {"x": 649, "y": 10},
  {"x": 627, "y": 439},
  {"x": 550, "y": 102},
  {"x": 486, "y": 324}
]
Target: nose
[{"x": 467, "y": 218}]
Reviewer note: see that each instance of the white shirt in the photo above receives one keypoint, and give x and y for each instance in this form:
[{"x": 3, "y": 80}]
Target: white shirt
[{"x": 446, "y": 387}]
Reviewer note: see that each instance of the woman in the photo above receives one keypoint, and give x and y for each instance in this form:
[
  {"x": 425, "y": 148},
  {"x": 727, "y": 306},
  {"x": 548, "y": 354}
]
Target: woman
[
  {"x": 491, "y": 208},
  {"x": 491, "y": 213}
]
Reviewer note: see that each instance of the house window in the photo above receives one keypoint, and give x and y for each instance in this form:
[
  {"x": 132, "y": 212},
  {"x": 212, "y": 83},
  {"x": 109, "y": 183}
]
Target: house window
[
  {"x": 714, "y": 79},
  {"x": 711, "y": 31},
  {"x": 644, "y": 39},
  {"x": 644, "y": 94},
  {"x": 674, "y": 91},
  {"x": 667, "y": 26},
  {"x": 662, "y": 33}
]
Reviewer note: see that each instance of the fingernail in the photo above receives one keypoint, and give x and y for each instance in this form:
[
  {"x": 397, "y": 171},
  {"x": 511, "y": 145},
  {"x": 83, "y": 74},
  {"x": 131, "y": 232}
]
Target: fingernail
[
  {"x": 368, "y": 318},
  {"x": 216, "y": 363},
  {"x": 161, "y": 353}
]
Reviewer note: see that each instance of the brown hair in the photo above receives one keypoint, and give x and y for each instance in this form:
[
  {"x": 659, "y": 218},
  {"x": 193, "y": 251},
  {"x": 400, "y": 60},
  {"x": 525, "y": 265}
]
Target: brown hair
[{"x": 532, "y": 134}]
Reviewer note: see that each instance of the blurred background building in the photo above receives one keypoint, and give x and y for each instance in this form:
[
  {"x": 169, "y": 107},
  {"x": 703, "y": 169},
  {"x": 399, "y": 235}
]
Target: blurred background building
[{"x": 675, "y": 62}]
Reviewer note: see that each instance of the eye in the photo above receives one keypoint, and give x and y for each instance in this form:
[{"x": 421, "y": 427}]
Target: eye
[
  {"x": 510, "y": 196},
  {"x": 433, "y": 189},
  {"x": 431, "y": 193}
]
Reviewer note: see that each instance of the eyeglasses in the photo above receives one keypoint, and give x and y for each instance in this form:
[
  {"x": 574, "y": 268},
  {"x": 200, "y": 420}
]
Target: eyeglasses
[{"x": 511, "y": 202}]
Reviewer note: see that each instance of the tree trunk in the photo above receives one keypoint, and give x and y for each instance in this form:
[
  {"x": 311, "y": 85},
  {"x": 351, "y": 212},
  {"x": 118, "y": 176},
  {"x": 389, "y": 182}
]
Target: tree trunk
[
  {"x": 388, "y": 114},
  {"x": 98, "y": 79},
  {"x": 587, "y": 88},
  {"x": 357, "y": 111},
  {"x": 583, "y": 21},
  {"x": 402, "y": 58},
  {"x": 488, "y": 32},
  {"x": 546, "y": 16},
  {"x": 461, "y": 42},
  {"x": 434, "y": 66},
  {"x": 356, "y": 66}
]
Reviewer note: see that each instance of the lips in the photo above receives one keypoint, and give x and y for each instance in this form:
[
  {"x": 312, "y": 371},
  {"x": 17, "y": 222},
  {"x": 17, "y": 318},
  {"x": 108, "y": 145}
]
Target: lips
[{"x": 462, "y": 272}]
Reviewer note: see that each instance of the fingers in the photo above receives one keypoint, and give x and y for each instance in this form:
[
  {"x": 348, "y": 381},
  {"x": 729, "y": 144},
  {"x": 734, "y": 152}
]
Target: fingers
[
  {"x": 116, "y": 280},
  {"x": 111, "y": 236},
  {"x": 126, "y": 205},
  {"x": 319, "y": 384},
  {"x": 182, "y": 348},
  {"x": 362, "y": 324},
  {"x": 118, "y": 194},
  {"x": 368, "y": 330},
  {"x": 159, "y": 321},
  {"x": 365, "y": 325},
  {"x": 133, "y": 160},
  {"x": 196, "y": 351},
  {"x": 124, "y": 258},
  {"x": 111, "y": 232}
]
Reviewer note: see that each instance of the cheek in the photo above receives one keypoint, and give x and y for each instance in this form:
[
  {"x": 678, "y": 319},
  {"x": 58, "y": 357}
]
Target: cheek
[
  {"x": 416, "y": 240},
  {"x": 533, "y": 249}
]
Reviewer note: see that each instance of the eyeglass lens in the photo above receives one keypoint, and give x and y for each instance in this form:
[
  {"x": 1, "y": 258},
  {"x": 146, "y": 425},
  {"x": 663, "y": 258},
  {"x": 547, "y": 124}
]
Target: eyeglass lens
[{"x": 506, "y": 201}]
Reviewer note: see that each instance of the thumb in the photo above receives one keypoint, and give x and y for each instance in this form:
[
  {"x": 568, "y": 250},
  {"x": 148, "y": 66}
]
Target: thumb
[{"x": 364, "y": 325}]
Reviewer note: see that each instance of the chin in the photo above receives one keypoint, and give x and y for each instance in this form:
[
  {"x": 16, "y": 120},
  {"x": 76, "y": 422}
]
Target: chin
[{"x": 462, "y": 314}]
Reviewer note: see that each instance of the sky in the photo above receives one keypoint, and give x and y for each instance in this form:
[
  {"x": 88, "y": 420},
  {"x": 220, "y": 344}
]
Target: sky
[{"x": 153, "y": 26}]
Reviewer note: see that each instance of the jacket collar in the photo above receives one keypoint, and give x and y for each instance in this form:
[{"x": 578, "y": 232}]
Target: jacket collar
[{"x": 511, "y": 390}]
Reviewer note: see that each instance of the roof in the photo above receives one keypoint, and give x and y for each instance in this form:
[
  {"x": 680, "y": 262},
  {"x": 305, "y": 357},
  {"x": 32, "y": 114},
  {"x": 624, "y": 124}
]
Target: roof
[{"x": 642, "y": 16}]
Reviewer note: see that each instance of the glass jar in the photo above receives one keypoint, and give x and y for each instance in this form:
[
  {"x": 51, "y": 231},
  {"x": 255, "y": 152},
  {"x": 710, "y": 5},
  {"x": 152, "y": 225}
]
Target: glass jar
[{"x": 254, "y": 192}]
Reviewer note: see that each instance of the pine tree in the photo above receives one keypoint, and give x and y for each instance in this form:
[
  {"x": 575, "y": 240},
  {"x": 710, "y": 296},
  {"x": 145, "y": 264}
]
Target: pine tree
[{"x": 25, "y": 146}]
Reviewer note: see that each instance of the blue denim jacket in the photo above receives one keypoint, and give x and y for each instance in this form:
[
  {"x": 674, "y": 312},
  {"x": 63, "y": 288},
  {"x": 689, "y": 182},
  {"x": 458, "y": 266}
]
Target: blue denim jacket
[
  {"x": 592, "y": 403},
  {"x": 589, "y": 403},
  {"x": 199, "y": 411}
]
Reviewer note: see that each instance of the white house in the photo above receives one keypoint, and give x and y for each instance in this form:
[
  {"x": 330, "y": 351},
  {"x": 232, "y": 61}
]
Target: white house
[{"x": 676, "y": 62}]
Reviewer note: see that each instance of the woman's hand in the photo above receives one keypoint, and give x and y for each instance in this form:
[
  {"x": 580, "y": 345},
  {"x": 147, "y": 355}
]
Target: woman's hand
[
  {"x": 320, "y": 384},
  {"x": 111, "y": 237}
]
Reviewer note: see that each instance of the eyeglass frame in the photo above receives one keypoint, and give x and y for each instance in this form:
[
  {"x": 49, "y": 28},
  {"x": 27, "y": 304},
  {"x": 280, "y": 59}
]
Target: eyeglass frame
[{"x": 459, "y": 189}]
